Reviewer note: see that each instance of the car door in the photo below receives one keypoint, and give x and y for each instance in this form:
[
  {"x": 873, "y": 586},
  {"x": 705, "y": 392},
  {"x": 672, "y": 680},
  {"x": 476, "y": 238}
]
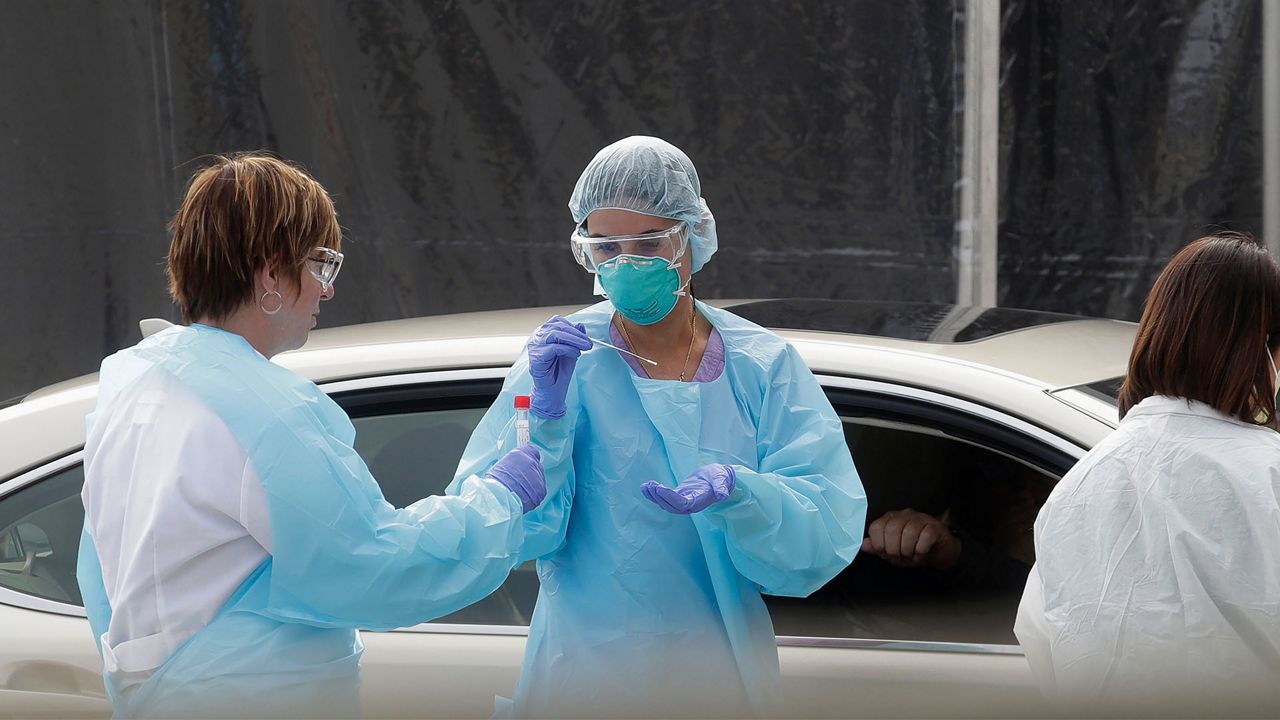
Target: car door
[
  {"x": 882, "y": 641},
  {"x": 411, "y": 430},
  {"x": 49, "y": 666},
  {"x": 876, "y": 641}
]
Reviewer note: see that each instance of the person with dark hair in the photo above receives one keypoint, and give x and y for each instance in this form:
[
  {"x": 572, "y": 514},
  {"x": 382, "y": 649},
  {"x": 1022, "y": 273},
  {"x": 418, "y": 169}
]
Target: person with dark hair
[
  {"x": 1157, "y": 582},
  {"x": 234, "y": 541}
]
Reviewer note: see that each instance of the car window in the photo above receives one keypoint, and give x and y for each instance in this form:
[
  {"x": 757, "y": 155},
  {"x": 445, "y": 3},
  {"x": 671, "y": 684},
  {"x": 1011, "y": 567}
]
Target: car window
[
  {"x": 987, "y": 487},
  {"x": 988, "y": 495},
  {"x": 40, "y": 537},
  {"x": 412, "y": 439},
  {"x": 413, "y": 455}
]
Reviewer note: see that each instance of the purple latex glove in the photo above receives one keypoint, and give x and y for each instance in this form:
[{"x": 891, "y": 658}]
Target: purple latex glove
[
  {"x": 553, "y": 351},
  {"x": 521, "y": 472},
  {"x": 707, "y": 485}
]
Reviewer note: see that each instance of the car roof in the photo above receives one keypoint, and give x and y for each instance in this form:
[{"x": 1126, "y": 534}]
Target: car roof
[
  {"x": 1058, "y": 350},
  {"x": 1009, "y": 368}
]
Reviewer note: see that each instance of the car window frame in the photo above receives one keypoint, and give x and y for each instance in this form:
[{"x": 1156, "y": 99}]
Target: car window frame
[
  {"x": 833, "y": 386},
  {"x": 875, "y": 389},
  {"x": 375, "y": 386},
  {"x": 31, "y": 477}
]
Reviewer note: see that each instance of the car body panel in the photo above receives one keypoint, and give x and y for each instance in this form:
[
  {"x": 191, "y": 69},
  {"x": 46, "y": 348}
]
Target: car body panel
[
  {"x": 49, "y": 665},
  {"x": 408, "y": 674},
  {"x": 61, "y": 678},
  {"x": 836, "y": 682},
  {"x": 44, "y": 428}
]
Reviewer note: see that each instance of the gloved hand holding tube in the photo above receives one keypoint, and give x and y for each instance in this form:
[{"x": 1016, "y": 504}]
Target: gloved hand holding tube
[
  {"x": 707, "y": 485},
  {"x": 521, "y": 472},
  {"x": 553, "y": 353}
]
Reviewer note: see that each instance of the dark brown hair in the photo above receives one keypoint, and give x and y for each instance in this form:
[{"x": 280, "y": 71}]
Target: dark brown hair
[
  {"x": 243, "y": 213},
  {"x": 1209, "y": 321}
]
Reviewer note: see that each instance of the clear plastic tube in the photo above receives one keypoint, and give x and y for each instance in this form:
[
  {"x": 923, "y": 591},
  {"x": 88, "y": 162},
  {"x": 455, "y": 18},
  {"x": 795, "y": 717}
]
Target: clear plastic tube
[{"x": 522, "y": 420}]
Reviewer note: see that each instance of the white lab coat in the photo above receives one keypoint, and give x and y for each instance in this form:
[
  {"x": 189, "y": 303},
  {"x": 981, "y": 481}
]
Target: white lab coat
[
  {"x": 1157, "y": 582},
  {"x": 178, "y": 515}
]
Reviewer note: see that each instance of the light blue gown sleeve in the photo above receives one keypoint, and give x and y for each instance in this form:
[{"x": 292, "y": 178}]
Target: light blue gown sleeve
[
  {"x": 544, "y": 526},
  {"x": 345, "y": 557},
  {"x": 795, "y": 522},
  {"x": 341, "y": 555},
  {"x": 92, "y": 589}
]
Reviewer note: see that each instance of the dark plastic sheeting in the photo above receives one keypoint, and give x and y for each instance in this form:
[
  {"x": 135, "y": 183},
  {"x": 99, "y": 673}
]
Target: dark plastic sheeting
[
  {"x": 451, "y": 133},
  {"x": 1127, "y": 130}
]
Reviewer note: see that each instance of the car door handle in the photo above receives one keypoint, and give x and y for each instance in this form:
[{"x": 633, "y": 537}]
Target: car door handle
[{"x": 41, "y": 688}]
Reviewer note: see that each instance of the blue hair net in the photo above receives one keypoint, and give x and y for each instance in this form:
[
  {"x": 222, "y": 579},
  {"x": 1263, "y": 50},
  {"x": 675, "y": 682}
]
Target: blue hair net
[{"x": 651, "y": 176}]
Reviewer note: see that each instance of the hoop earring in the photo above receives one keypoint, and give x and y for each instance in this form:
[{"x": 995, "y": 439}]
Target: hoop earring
[{"x": 263, "y": 299}]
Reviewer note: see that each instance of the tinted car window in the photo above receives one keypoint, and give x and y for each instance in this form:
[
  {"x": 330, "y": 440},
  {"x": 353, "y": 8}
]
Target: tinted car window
[
  {"x": 412, "y": 446},
  {"x": 985, "y": 492},
  {"x": 988, "y": 497},
  {"x": 40, "y": 537},
  {"x": 414, "y": 454},
  {"x": 413, "y": 451}
]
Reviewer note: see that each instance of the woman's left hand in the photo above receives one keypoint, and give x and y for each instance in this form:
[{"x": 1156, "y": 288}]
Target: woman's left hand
[{"x": 707, "y": 485}]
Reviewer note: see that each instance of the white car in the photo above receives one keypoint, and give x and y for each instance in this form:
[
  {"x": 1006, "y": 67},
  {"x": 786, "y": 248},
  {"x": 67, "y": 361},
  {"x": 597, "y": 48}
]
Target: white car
[{"x": 969, "y": 414}]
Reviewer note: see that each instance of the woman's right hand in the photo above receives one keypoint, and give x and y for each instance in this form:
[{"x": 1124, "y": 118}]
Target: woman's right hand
[
  {"x": 553, "y": 353},
  {"x": 521, "y": 472}
]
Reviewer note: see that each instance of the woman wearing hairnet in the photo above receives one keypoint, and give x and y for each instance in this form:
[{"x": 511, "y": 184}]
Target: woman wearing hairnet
[
  {"x": 1157, "y": 583},
  {"x": 234, "y": 540},
  {"x": 679, "y": 491}
]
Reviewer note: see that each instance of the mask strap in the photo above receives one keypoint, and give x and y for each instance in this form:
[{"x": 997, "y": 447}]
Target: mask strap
[
  {"x": 676, "y": 261},
  {"x": 681, "y": 291}
]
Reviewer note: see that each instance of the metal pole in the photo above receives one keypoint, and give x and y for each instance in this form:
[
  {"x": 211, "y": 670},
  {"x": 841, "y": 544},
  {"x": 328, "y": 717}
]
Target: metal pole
[
  {"x": 976, "y": 281},
  {"x": 1271, "y": 125}
]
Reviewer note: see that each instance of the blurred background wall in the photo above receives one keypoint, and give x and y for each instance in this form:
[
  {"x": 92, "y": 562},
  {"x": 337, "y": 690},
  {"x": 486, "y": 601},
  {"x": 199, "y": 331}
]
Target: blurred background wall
[{"x": 827, "y": 134}]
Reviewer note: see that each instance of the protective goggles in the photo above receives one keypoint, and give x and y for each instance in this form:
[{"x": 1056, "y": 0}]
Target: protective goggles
[
  {"x": 324, "y": 263},
  {"x": 592, "y": 252}
]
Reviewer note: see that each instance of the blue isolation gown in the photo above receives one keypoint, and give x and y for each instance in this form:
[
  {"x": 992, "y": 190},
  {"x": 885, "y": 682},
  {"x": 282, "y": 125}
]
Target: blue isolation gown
[
  {"x": 646, "y": 613},
  {"x": 285, "y": 644}
]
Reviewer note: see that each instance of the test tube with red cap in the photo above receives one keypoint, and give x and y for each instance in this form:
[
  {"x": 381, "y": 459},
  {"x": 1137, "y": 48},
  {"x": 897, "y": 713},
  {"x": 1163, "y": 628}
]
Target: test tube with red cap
[{"x": 522, "y": 420}]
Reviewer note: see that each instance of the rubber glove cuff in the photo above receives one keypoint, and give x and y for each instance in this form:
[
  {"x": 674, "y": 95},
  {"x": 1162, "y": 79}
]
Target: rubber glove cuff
[
  {"x": 520, "y": 471},
  {"x": 547, "y": 409}
]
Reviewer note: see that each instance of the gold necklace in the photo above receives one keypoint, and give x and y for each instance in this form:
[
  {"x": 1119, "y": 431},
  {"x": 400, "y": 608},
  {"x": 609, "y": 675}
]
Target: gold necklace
[{"x": 693, "y": 315}]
